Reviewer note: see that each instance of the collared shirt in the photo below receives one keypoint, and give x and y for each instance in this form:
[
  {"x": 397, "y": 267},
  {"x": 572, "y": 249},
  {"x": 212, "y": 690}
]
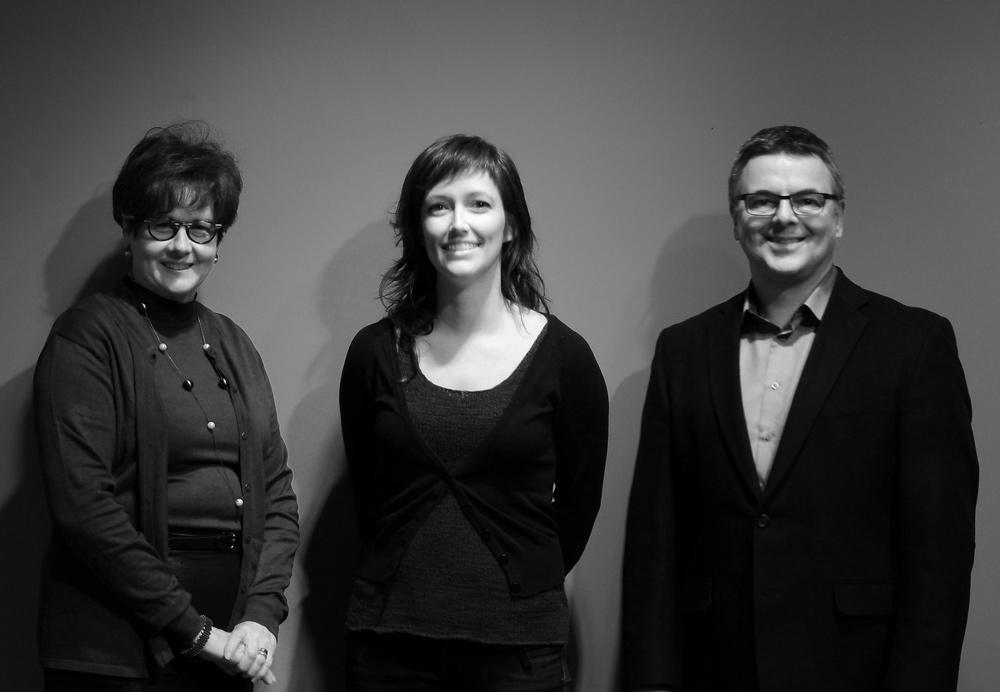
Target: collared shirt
[{"x": 771, "y": 362}]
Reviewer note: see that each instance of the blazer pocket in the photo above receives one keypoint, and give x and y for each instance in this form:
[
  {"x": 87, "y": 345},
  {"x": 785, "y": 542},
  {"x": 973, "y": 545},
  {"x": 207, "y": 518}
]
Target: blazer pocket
[
  {"x": 696, "y": 597},
  {"x": 861, "y": 600}
]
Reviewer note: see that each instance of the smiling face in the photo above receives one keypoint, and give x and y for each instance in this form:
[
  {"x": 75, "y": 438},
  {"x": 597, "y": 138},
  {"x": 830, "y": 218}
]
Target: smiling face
[
  {"x": 464, "y": 228},
  {"x": 786, "y": 250},
  {"x": 173, "y": 269}
]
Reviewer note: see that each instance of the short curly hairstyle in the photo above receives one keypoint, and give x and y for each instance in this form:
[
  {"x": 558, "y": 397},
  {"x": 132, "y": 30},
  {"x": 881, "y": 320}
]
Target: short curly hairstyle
[{"x": 177, "y": 166}]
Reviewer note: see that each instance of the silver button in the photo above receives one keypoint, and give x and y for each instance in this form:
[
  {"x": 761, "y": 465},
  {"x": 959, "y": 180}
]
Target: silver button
[{"x": 239, "y": 502}]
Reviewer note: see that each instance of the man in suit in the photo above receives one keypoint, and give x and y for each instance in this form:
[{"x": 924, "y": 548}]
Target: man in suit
[{"x": 803, "y": 506}]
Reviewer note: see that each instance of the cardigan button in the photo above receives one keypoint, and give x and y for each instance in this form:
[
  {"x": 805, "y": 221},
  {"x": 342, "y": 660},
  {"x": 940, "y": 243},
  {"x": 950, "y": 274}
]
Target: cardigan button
[
  {"x": 503, "y": 558},
  {"x": 515, "y": 587},
  {"x": 762, "y": 521},
  {"x": 243, "y": 435},
  {"x": 239, "y": 502}
]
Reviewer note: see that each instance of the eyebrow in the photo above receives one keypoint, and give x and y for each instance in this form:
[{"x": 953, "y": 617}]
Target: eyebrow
[{"x": 792, "y": 194}]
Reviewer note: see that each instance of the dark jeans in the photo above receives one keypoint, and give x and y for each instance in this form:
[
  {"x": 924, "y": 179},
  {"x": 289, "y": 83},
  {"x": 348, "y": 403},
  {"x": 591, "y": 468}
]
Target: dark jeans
[{"x": 386, "y": 662}]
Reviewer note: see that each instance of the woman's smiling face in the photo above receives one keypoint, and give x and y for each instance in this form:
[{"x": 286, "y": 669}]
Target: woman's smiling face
[
  {"x": 173, "y": 269},
  {"x": 465, "y": 228}
]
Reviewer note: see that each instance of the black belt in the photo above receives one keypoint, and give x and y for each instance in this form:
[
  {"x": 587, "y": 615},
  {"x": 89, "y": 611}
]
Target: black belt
[{"x": 213, "y": 541}]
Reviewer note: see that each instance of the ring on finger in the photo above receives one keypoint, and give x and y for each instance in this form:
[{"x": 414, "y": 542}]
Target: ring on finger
[{"x": 262, "y": 652}]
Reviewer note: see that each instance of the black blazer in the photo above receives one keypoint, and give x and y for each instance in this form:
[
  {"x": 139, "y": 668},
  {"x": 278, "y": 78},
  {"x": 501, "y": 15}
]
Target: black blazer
[{"x": 850, "y": 571}]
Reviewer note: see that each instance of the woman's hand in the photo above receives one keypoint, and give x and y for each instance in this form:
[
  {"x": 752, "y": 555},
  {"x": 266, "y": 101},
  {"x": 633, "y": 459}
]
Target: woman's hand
[
  {"x": 251, "y": 648},
  {"x": 238, "y": 662}
]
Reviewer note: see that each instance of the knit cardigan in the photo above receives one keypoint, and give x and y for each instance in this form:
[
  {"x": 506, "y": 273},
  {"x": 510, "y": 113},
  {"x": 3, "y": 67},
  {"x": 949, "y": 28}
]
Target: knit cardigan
[
  {"x": 553, "y": 434},
  {"x": 110, "y": 603}
]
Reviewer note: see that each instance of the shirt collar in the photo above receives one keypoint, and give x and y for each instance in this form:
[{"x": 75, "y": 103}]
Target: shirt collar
[{"x": 811, "y": 312}]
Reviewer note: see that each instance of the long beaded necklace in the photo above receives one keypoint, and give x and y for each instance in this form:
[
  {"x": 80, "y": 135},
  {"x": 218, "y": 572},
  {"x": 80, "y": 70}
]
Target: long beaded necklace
[{"x": 188, "y": 385}]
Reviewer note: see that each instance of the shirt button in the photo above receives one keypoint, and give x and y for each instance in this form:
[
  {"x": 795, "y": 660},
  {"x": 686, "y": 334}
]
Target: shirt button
[
  {"x": 775, "y": 385},
  {"x": 239, "y": 502},
  {"x": 210, "y": 425},
  {"x": 762, "y": 521},
  {"x": 243, "y": 435},
  {"x": 767, "y": 437}
]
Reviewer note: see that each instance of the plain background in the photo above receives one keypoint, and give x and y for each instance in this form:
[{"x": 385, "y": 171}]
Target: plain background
[{"x": 623, "y": 119}]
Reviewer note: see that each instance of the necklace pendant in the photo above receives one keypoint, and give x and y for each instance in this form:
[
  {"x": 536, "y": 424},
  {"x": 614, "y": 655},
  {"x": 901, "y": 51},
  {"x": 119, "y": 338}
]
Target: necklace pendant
[{"x": 188, "y": 385}]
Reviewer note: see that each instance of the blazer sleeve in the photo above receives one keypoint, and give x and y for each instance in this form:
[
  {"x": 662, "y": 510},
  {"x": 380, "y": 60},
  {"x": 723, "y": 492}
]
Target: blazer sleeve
[
  {"x": 581, "y": 439},
  {"x": 650, "y": 619},
  {"x": 75, "y": 399},
  {"x": 266, "y": 602},
  {"x": 937, "y": 486}
]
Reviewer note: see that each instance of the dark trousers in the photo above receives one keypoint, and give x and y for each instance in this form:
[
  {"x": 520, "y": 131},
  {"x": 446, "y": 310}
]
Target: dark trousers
[
  {"x": 387, "y": 662},
  {"x": 212, "y": 578}
]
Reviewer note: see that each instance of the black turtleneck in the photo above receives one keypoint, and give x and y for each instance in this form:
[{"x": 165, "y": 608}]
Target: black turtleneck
[{"x": 203, "y": 480}]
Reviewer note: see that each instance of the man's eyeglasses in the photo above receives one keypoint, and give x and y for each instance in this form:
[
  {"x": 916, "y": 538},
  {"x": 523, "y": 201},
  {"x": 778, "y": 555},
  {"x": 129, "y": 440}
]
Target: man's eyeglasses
[
  {"x": 198, "y": 231},
  {"x": 803, "y": 203}
]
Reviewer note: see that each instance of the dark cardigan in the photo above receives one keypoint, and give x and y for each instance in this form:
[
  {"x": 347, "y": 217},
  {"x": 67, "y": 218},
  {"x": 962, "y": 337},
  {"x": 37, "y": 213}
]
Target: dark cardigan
[
  {"x": 553, "y": 433},
  {"x": 110, "y": 604}
]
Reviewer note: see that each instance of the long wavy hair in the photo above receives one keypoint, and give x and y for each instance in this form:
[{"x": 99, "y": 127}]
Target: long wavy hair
[{"x": 409, "y": 289}]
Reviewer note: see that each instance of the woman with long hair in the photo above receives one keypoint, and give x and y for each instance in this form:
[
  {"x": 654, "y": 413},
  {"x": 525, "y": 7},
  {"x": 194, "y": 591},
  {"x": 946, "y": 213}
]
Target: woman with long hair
[{"x": 475, "y": 424}]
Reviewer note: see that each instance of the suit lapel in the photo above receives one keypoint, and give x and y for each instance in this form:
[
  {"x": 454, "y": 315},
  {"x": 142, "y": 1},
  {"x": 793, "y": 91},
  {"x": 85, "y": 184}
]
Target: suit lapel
[
  {"x": 724, "y": 382},
  {"x": 838, "y": 332}
]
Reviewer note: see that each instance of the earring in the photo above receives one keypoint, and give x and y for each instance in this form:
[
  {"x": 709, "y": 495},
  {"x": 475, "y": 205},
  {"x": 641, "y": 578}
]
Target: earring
[{"x": 216, "y": 260}]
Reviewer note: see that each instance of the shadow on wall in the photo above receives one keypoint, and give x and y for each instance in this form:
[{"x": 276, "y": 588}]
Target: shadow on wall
[
  {"x": 699, "y": 266},
  {"x": 24, "y": 530},
  {"x": 86, "y": 259},
  {"x": 346, "y": 301}
]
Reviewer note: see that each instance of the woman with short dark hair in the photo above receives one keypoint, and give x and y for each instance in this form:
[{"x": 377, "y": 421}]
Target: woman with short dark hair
[
  {"x": 475, "y": 425},
  {"x": 174, "y": 520}
]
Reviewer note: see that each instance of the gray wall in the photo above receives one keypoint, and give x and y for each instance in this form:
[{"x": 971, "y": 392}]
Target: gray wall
[{"x": 623, "y": 119}]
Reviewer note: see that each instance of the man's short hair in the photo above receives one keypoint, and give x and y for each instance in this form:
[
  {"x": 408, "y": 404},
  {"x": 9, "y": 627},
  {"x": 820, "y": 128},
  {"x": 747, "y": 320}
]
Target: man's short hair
[{"x": 783, "y": 139}]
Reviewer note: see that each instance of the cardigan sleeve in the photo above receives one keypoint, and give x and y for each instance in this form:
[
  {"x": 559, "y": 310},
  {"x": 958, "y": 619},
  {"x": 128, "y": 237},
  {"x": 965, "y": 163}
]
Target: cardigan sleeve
[
  {"x": 581, "y": 438},
  {"x": 266, "y": 602},
  {"x": 76, "y": 395},
  {"x": 357, "y": 422}
]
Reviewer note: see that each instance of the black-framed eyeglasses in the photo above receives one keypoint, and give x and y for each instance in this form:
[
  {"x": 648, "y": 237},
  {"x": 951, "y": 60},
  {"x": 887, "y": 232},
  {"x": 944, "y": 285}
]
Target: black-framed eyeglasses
[
  {"x": 198, "y": 231},
  {"x": 803, "y": 203}
]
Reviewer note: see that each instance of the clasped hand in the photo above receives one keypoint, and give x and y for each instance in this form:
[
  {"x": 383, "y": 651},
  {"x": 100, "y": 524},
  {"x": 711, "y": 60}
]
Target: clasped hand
[{"x": 248, "y": 651}]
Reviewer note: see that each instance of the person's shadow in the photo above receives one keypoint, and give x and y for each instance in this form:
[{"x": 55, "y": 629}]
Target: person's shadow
[
  {"x": 86, "y": 259},
  {"x": 345, "y": 301},
  {"x": 699, "y": 266}
]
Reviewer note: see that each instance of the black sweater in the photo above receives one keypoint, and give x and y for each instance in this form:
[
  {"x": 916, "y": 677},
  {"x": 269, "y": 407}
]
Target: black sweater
[{"x": 553, "y": 433}]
